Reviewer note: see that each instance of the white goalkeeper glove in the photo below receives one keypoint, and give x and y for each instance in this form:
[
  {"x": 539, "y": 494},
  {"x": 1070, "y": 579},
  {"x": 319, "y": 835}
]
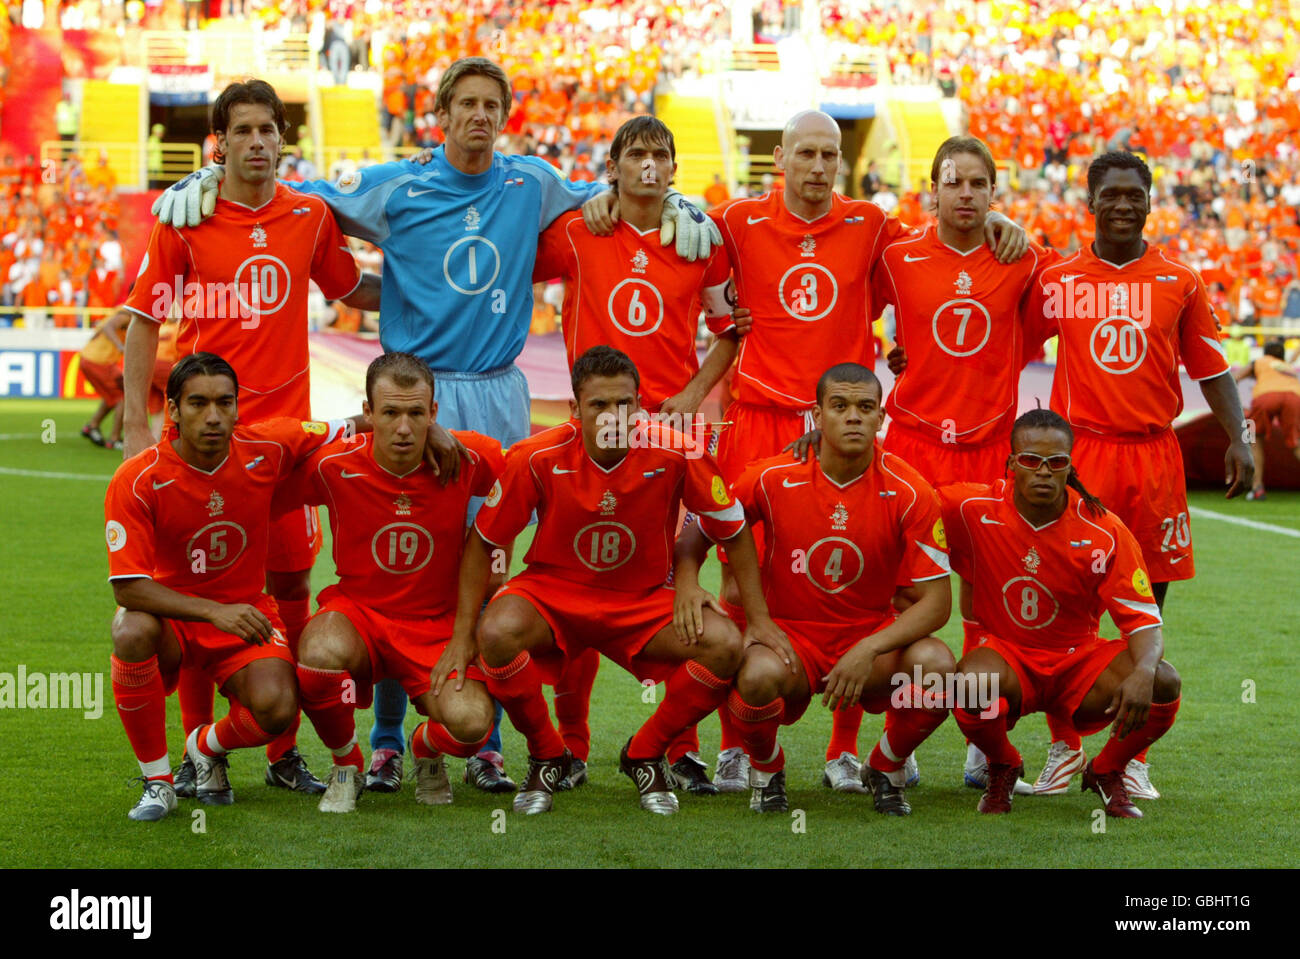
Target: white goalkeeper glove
[
  {"x": 190, "y": 201},
  {"x": 696, "y": 232}
]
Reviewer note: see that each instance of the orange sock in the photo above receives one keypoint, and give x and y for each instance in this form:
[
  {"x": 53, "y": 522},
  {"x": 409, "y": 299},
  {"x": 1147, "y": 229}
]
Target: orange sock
[
  {"x": 322, "y": 692},
  {"x": 1115, "y": 755},
  {"x": 845, "y": 724},
  {"x": 757, "y": 727},
  {"x": 691, "y": 693},
  {"x": 905, "y": 729},
  {"x": 141, "y": 705},
  {"x": 989, "y": 733},
  {"x": 431, "y": 739},
  {"x": 517, "y": 686},
  {"x": 196, "y": 694},
  {"x": 239, "y": 730},
  {"x": 573, "y": 702},
  {"x": 1063, "y": 730},
  {"x": 730, "y": 734},
  {"x": 687, "y": 742}
]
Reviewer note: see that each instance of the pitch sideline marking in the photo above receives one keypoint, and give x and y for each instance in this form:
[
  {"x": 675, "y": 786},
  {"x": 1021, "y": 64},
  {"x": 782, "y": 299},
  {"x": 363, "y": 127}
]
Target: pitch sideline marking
[
  {"x": 8, "y": 471},
  {"x": 1201, "y": 513}
]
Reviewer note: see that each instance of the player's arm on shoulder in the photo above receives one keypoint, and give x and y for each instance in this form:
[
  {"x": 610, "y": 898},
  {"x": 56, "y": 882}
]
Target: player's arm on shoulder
[
  {"x": 1006, "y": 238},
  {"x": 366, "y": 295},
  {"x": 191, "y": 200},
  {"x": 239, "y": 619},
  {"x": 359, "y": 199},
  {"x": 443, "y": 452}
]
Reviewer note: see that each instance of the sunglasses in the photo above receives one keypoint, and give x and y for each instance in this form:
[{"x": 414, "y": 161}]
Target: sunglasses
[{"x": 1032, "y": 461}]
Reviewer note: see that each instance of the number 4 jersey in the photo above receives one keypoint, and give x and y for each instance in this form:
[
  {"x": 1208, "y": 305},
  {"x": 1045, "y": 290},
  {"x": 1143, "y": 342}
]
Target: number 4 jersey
[
  {"x": 610, "y": 528},
  {"x": 1045, "y": 587}
]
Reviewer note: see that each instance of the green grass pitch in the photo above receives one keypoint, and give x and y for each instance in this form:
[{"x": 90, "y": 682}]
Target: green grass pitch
[{"x": 1225, "y": 770}]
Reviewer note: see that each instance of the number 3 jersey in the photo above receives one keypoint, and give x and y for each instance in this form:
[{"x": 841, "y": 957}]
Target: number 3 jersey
[
  {"x": 205, "y": 533},
  {"x": 834, "y": 554},
  {"x": 609, "y": 528},
  {"x": 397, "y": 539},
  {"x": 1045, "y": 587}
]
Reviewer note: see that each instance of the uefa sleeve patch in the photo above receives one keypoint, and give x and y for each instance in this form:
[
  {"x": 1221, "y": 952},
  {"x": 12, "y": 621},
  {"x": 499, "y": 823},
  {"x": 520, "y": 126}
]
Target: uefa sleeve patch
[
  {"x": 494, "y": 495},
  {"x": 1140, "y": 583},
  {"x": 115, "y": 535},
  {"x": 720, "y": 495},
  {"x": 940, "y": 538},
  {"x": 349, "y": 182},
  {"x": 315, "y": 428}
]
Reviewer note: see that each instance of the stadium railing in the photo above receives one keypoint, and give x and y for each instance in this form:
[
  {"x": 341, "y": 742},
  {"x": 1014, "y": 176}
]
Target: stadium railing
[
  {"x": 178, "y": 159},
  {"x": 226, "y": 51},
  {"x": 42, "y": 317}
]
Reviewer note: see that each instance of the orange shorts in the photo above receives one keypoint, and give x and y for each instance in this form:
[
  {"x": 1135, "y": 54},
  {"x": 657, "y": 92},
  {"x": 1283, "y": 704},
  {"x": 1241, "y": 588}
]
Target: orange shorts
[
  {"x": 1140, "y": 480},
  {"x": 819, "y": 647},
  {"x": 1055, "y": 681},
  {"x": 221, "y": 655},
  {"x": 106, "y": 378},
  {"x": 1282, "y": 407},
  {"x": 402, "y": 648},
  {"x": 614, "y": 623},
  {"x": 755, "y": 433},
  {"x": 945, "y": 463},
  {"x": 295, "y": 540}
]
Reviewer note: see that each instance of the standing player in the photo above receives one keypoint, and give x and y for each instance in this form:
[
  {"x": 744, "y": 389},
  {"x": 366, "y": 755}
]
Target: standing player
[
  {"x": 839, "y": 532},
  {"x": 398, "y": 533},
  {"x": 459, "y": 237},
  {"x": 240, "y": 282},
  {"x": 802, "y": 258},
  {"x": 1045, "y": 561},
  {"x": 188, "y": 522},
  {"x": 1276, "y": 396},
  {"x": 1126, "y": 314},
  {"x": 629, "y": 292},
  {"x": 607, "y": 505}
]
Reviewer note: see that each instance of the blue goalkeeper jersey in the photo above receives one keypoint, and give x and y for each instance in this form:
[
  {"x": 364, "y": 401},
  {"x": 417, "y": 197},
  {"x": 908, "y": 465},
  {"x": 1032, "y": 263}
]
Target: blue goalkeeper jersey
[{"x": 458, "y": 251}]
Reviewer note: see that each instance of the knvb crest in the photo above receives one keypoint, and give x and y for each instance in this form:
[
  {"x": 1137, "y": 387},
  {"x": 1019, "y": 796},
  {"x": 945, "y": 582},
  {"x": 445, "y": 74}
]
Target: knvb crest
[
  {"x": 1031, "y": 561},
  {"x": 963, "y": 283},
  {"x": 608, "y": 504},
  {"x": 216, "y": 504},
  {"x": 1119, "y": 301},
  {"x": 640, "y": 261},
  {"x": 809, "y": 246},
  {"x": 403, "y": 504},
  {"x": 258, "y": 236},
  {"x": 840, "y": 517},
  {"x": 471, "y": 219}
]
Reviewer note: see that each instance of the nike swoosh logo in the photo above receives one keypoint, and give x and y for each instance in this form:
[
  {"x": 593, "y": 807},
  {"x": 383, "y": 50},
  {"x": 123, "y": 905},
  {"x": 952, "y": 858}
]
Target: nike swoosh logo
[
  {"x": 346, "y": 475},
  {"x": 161, "y": 485},
  {"x": 1102, "y": 793},
  {"x": 751, "y": 220},
  {"x": 1178, "y": 560},
  {"x": 1069, "y": 277},
  {"x": 913, "y": 259},
  {"x": 412, "y": 191},
  {"x": 557, "y": 471},
  {"x": 787, "y": 484},
  {"x": 991, "y": 522},
  {"x": 130, "y": 709}
]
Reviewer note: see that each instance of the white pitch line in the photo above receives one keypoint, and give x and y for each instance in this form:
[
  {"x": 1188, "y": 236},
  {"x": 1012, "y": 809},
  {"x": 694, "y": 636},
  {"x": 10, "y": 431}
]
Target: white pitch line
[
  {"x": 7, "y": 471},
  {"x": 1238, "y": 521},
  {"x": 19, "y": 436}
]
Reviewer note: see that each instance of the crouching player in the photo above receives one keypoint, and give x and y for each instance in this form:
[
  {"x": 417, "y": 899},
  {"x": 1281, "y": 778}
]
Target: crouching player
[
  {"x": 187, "y": 529},
  {"x": 607, "y": 503},
  {"x": 398, "y": 535},
  {"x": 839, "y": 533},
  {"x": 1045, "y": 560}
]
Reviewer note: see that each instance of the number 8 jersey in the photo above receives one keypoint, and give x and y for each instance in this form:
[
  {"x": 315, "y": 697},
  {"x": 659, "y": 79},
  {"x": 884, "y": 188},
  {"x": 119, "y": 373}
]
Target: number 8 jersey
[{"x": 1045, "y": 587}]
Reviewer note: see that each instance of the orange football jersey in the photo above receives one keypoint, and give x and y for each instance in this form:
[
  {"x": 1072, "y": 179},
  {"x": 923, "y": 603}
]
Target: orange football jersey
[
  {"x": 200, "y": 533},
  {"x": 1045, "y": 587},
  {"x": 834, "y": 554},
  {"x": 613, "y": 529},
  {"x": 807, "y": 285},
  {"x": 958, "y": 320},
  {"x": 397, "y": 539},
  {"x": 241, "y": 280},
  {"x": 629, "y": 292},
  {"x": 1123, "y": 331}
]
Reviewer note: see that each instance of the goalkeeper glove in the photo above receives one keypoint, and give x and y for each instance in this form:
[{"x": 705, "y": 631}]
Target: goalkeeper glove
[
  {"x": 190, "y": 201},
  {"x": 696, "y": 232}
]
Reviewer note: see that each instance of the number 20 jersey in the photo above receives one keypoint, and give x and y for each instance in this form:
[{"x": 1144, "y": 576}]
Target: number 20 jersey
[{"x": 609, "y": 528}]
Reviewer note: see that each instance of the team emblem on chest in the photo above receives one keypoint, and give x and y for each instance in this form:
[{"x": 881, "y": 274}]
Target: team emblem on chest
[
  {"x": 216, "y": 504},
  {"x": 963, "y": 283},
  {"x": 258, "y": 236},
  {"x": 1031, "y": 561},
  {"x": 640, "y": 261},
  {"x": 403, "y": 504},
  {"x": 471, "y": 219},
  {"x": 809, "y": 246},
  {"x": 607, "y": 504},
  {"x": 840, "y": 517}
]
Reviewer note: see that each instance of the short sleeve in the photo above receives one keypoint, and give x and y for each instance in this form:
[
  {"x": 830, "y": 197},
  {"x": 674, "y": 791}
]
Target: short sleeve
[
  {"x": 925, "y": 544},
  {"x": 510, "y": 500},
  {"x": 128, "y": 525},
  {"x": 1126, "y": 587},
  {"x": 705, "y": 493},
  {"x": 1198, "y": 336},
  {"x": 162, "y": 274},
  {"x": 333, "y": 267}
]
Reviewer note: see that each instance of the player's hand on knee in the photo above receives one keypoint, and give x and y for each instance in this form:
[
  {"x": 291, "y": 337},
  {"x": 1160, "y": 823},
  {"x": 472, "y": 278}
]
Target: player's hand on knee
[
  {"x": 764, "y": 632},
  {"x": 240, "y": 619},
  {"x": 897, "y": 360},
  {"x": 456, "y": 656},
  {"x": 1007, "y": 238},
  {"x": 848, "y": 678},
  {"x": 191, "y": 200},
  {"x": 695, "y": 231},
  {"x": 688, "y": 612},
  {"x": 600, "y": 213},
  {"x": 812, "y": 440},
  {"x": 1131, "y": 701},
  {"x": 443, "y": 452}
]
